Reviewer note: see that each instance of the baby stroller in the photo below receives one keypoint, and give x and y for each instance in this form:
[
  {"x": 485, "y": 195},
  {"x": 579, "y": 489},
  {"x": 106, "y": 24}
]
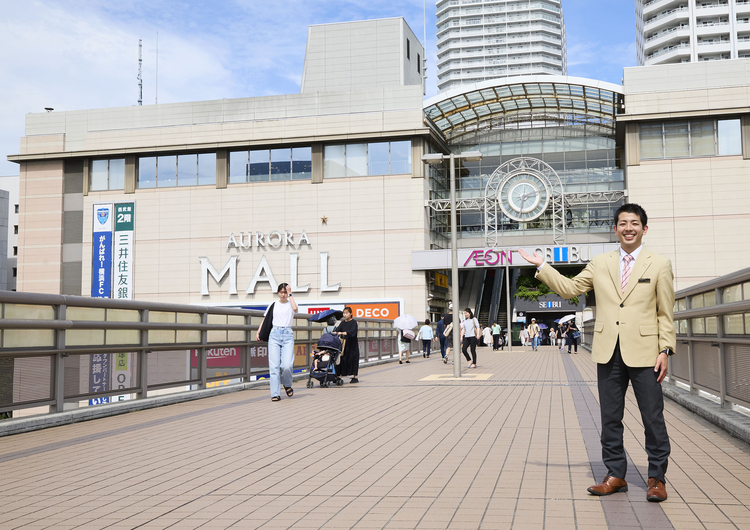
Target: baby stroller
[{"x": 325, "y": 356}]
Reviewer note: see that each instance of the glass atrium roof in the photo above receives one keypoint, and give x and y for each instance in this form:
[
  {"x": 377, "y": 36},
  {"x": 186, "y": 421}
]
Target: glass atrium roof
[{"x": 538, "y": 95}]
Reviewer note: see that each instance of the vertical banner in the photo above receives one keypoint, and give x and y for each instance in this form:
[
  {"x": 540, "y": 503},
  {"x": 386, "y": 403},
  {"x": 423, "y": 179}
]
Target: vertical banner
[
  {"x": 101, "y": 266},
  {"x": 123, "y": 251}
]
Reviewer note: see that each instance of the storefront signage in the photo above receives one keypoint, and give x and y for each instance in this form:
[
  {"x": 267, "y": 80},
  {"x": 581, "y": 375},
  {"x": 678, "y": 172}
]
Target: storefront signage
[
  {"x": 99, "y": 377},
  {"x": 490, "y": 258},
  {"x": 441, "y": 280},
  {"x": 218, "y": 357},
  {"x": 123, "y": 251},
  {"x": 500, "y": 257},
  {"x": 263, "y": 272},
  {"x": 387, "y": 310},
  {"x": 274, "y": 239}
]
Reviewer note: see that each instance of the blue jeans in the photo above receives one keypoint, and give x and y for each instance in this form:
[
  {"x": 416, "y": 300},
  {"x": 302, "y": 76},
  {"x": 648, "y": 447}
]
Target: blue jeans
[
  {"x": 534, "y": 343},
  {"x": 280, "y": 358}
]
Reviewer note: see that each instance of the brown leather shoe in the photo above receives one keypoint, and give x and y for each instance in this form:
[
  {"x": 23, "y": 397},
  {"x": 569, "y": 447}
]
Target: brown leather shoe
[
  {"x": 657, "y": 491},
  {"x": 609, "y": 486}
]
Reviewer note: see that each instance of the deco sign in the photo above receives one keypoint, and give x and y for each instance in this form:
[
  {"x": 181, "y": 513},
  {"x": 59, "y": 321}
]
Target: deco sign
[{"x": 263, "y": 273}]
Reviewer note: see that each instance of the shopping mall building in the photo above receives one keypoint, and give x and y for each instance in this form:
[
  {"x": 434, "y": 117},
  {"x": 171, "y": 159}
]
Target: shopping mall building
[{"x": 217, "y": 202}]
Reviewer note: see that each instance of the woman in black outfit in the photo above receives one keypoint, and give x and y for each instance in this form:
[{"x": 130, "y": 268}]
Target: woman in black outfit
[
  {"x": 347, "y": 329},
  {"x": 569, "y": 338}
]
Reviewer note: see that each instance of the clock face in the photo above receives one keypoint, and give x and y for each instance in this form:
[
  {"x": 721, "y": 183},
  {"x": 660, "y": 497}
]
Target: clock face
[{"x": 523, "y": 197}]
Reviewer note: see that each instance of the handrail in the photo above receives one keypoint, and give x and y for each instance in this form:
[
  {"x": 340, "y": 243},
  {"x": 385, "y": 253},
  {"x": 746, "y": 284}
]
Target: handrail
[{"x": 57, "y": 357}]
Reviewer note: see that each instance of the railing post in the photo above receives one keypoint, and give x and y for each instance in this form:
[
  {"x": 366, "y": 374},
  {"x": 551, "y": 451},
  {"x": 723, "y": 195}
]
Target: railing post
[
  {"x": 58, "y": 383},
  {"x": 143, "y": 360},
  {"x": 722, "y": 354},
  {"x": 202, "y": 355},
  {"x": 691, "y": 369},
  {"x": 248, "y": 340}
]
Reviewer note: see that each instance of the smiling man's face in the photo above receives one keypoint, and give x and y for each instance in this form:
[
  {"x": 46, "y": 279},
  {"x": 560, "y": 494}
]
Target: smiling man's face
[{"x": 630, "y": 231}]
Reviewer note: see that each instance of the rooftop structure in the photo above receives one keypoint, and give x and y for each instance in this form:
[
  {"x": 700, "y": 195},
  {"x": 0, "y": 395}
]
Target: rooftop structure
[
  {"x": 682, "y": 31},
  {"x": 480, "y": 40},
  {"x": 362, "y": 55}
]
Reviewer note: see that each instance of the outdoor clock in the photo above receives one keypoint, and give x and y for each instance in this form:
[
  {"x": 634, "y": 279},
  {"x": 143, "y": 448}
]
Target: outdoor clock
[{"x": 523, "y": 196}]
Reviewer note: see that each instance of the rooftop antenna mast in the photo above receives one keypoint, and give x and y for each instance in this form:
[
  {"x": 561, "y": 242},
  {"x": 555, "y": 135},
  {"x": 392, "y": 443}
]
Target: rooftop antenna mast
[
  {"x": 156, "y": 100},
  {"x": 140, "y": 77}
]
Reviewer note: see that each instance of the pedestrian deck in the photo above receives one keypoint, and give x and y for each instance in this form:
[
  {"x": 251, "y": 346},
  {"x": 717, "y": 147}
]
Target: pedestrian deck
[{"x": 513, "y": 444}]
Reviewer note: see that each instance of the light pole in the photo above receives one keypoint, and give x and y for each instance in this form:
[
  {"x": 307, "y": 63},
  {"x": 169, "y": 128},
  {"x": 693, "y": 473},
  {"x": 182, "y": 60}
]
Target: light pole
[{"x": 437, "y": 158}]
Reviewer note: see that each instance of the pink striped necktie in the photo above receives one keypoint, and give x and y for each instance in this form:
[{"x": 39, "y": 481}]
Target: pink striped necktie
[{"x": 626, "y": 271}]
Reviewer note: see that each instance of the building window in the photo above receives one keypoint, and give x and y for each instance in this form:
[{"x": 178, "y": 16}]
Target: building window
[
  {"x": 107, "y": 174},
  {"x": 16, "y": 208},
  {"x": 419, "y": 64},
  {"x": 358, "y": 160},
  {"x": 15, "y": 251},
  {"x": 15, "y": 271},
  {"x": 270, "y": 165},
  {"x": 693, "y": 138},
  {"x": 408, "y": 49},
  {"x": 177, "y": 170},
  {"x": 15, "y": 229}
]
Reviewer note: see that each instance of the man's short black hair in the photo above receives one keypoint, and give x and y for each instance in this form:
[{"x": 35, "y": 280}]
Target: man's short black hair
[{"x": 632, "y": 207}]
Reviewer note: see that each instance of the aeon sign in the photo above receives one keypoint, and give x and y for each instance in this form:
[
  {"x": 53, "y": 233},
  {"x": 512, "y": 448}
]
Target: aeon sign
[{"x": 490, "y": 258}]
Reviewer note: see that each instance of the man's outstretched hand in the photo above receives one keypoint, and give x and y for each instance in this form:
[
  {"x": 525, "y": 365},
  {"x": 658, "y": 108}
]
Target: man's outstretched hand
[{"x": 536, "y": 259}]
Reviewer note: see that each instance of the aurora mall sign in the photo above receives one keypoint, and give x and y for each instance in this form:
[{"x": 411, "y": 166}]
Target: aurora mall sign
[{"x": 263, "y": 274}]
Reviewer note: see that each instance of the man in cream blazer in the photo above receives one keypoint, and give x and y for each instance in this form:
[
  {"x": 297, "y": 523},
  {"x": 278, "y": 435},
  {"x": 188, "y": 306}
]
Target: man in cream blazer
[{"x": 634, "y": 336}]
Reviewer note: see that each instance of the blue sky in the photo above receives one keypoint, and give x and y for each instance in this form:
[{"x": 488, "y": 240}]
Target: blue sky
[{"x": 79, "y": 54}]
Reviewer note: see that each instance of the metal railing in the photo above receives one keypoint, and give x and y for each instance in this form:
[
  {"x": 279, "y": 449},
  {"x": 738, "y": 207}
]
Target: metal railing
[
  {"x": 713, "y": 339},
  {"x": 712, "y": 320},
  {"x": 58, "y": 349}
]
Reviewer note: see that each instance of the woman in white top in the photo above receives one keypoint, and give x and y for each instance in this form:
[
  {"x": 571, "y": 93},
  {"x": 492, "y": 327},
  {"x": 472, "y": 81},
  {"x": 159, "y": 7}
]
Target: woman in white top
[
  {"x": 469, "y": 331},
  {"x": 281, "y": 342}
]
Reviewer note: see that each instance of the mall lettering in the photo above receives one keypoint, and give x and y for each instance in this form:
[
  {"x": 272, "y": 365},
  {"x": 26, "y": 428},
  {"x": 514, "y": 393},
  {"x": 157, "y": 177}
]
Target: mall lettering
[{"x": 263, "y": 274}]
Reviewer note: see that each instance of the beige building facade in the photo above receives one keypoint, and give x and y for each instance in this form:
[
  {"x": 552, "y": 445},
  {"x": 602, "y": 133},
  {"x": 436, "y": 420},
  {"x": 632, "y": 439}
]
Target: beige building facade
[{"x": 687, "y": 132}]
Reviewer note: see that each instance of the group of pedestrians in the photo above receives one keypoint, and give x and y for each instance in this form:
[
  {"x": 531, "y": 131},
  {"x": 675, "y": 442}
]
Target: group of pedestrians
[{"x": 276, "y": 329}]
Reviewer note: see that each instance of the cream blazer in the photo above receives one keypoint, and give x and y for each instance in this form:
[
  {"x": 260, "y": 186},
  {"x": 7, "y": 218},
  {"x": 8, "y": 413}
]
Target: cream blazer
[{"x": 642, "y": 317}]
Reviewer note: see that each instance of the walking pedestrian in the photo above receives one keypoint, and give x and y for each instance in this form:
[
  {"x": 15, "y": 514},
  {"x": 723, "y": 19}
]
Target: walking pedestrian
[
  {"x": 469, "y": 331},
  {"x": 404, "y": 345},
  {"x": 347, "y": 330},
  {"x": 425, "y": 332},
  {"x": 572, "y": 336},
  {"x": 280, "y": 342},
  {"x": 534, "y": 334},
  {"x": 496, "y": 331},
  {"x": 440, "y": 332},
  {"x": 448, "y": 320},
  {"x": 487, "y": 335}
]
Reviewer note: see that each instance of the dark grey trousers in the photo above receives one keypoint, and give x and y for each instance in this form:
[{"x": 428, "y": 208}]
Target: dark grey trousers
[{"x": 613, "y": 379}]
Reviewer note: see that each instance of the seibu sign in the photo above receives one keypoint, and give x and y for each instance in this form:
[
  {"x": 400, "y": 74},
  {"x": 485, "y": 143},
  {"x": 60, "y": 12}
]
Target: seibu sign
[{"x": 263, "y": 273}]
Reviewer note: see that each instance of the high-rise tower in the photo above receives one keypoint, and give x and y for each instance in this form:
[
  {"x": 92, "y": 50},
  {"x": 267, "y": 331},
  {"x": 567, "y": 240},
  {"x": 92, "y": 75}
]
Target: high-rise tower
[
  {"x": 687, "y": 31},
  {"x": 487, "y": 39}
]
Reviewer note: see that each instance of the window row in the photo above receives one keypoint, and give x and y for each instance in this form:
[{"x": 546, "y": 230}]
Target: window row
[
  {"x": 736, "y": 324},
  {"x": 693, "y": 138},
  {"x": 264, "y": 165},
  {"x": 733, "y": 293},
  {"x": 359, "y": 160},
  {"x": 176, "y": 170},
  {"x": 255, "y": 165}
]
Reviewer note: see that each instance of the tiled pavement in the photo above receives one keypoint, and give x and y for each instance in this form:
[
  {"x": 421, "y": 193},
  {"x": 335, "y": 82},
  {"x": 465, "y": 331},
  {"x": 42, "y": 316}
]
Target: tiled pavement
[{"x": 514, "y": 444}]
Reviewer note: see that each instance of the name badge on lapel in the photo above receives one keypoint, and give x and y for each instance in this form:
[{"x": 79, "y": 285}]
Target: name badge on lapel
[{"x": 644, "y": 280}]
